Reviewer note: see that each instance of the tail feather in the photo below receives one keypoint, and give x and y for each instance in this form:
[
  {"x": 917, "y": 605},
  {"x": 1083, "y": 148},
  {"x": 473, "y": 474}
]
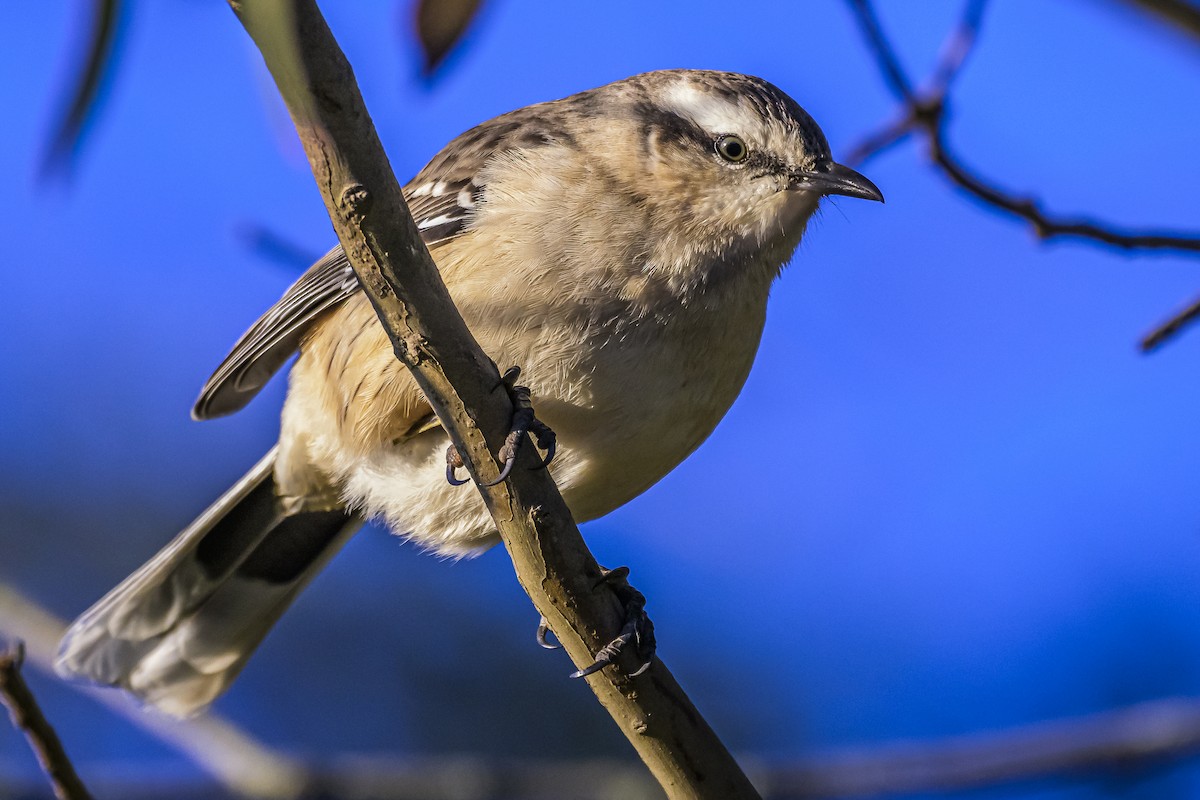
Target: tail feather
[{"x": 179, "y": 629}]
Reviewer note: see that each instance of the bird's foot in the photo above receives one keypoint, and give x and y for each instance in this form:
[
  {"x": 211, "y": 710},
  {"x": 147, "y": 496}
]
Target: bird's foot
[
  {"x": 523, "y": 421},
  {"x": 454, "y": 460},
  {"x": 638, "y": 629},
  {"x": 543, "y": 629}
]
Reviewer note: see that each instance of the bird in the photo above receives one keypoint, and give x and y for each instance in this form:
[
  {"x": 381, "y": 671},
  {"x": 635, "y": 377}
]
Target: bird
[{"x": 618, "y": 245}]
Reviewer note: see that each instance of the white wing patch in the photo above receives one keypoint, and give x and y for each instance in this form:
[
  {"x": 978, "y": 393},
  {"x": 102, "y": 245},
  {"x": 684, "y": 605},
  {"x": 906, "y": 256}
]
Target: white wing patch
[
  {"x": 431, "y": 189},
  {"x": 433, "y": 222}
]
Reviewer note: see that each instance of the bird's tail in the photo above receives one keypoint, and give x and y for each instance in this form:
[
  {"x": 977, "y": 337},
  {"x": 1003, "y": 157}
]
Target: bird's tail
[{"x": 178, "y": 630}]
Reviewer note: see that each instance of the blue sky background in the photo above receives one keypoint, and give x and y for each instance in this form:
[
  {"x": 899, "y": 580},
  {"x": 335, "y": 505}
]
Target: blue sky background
[{"x": 982, "y": 510}]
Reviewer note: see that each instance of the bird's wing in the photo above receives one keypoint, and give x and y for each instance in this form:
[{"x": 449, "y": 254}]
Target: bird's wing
[
  {"x": 440, "y": 208},
  {"x": 271, "y": 341},
  {"x": 442, "y": 198}
]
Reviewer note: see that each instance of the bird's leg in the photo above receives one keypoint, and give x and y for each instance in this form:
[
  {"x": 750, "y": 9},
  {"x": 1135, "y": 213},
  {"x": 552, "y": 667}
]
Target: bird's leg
[
  {"x": 523, "y": 421},
  {"x": 637, "y": 629}
]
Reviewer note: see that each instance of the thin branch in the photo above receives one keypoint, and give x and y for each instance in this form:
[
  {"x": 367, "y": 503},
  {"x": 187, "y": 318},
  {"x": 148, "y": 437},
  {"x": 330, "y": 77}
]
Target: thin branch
[
  {"x": 28, "y": 718},
  {"x": 1046, "y": 226},
  {"x": 1171, "y": 328},
  {"x": 234, "y": 758},
  {"x": 958, "y": 48},
  {"x": 1180, "y": 14},
  {"x": 926, "y": 112},
  {"x": 881, "y": 141},
  {"x": 955, "y": 51},
  {"x": 462, "y": 385},
  {"x": 885, "y": 55}
]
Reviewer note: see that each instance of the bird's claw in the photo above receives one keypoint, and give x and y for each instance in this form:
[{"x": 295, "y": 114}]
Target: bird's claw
[
  {"x": 543, "y": 629},
  {"x": 637, "y": 629},
  {"x": 454, "y": 460},
  {"x": 523, "y": 421}
]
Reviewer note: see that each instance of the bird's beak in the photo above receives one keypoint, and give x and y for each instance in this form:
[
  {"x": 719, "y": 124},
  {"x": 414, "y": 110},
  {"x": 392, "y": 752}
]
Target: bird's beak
[{"x": 832, "y": 178}]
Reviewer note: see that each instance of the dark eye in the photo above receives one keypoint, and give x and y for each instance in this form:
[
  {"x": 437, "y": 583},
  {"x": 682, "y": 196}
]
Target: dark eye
[{"x": 732, "y": 148}]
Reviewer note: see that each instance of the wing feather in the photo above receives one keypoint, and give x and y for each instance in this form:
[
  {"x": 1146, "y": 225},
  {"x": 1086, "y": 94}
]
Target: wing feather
[{"x": 443, "y": 198}]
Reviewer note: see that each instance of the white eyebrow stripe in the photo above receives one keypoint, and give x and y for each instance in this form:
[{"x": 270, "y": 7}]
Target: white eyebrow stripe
[{"x": 707, "y": 110}]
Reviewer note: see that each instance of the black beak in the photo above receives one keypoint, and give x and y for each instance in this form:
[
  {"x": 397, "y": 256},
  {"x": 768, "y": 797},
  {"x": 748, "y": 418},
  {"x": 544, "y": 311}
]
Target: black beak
[{"x": 833, "y": 178}]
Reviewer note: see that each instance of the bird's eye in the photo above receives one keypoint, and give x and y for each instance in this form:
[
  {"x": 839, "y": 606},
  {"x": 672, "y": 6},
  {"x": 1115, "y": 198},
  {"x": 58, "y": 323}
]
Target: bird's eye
[{"x": 732, "y": 148}]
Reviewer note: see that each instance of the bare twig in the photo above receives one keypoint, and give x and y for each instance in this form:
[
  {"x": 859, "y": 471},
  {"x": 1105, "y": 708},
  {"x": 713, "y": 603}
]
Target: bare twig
[
  {"x": 882, "y": 140},
  {"x": 1180, "y": 14},
  {"x": 235, "y": 759},
  {"x": 955, "y": 51},
  {"x": 1044, "y": 225},
  {"x": 958, "y": 47},
  {"x": 1170, "y": 328},
  {"x": 28, "y": 718},
  {"x": 885, "y": 55},
  {"x": 926, "y": 112},
  {"x": 463, "y": 387}
]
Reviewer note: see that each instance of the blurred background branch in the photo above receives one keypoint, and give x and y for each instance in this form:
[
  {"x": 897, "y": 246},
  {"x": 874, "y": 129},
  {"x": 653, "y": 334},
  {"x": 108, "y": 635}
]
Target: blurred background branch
[
  {"x": 926, "y": 111},
  {"x": 1182, "y": 15}
]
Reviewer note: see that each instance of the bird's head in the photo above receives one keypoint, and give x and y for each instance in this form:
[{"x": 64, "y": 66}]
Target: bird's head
[{"x": 729, "y": 162}]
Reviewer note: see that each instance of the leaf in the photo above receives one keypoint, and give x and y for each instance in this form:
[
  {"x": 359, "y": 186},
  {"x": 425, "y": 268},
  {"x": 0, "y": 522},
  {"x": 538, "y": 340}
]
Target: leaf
[
  {"x": 440, "y": 26},
  {"x": 85, "y": 91}
]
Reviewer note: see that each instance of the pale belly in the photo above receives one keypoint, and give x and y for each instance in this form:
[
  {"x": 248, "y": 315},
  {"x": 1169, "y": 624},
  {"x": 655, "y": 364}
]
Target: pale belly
[{"x": 626, "y": 406}]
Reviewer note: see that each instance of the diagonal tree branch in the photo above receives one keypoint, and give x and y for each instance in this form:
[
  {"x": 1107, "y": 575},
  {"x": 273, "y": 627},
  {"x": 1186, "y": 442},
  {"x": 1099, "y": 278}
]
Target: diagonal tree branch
[
  {"x": 28, "y": 718},
  {"x": 380, "y": 238}
]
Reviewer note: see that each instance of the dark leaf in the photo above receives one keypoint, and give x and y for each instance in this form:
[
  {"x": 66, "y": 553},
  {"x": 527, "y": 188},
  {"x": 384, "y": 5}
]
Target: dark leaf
[
  {"x": 1183, "y": 15},
  {"x": 440, "y": 26},
  {"x": 273, "y": 246},
  {"x": 85, "y": 91}
]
